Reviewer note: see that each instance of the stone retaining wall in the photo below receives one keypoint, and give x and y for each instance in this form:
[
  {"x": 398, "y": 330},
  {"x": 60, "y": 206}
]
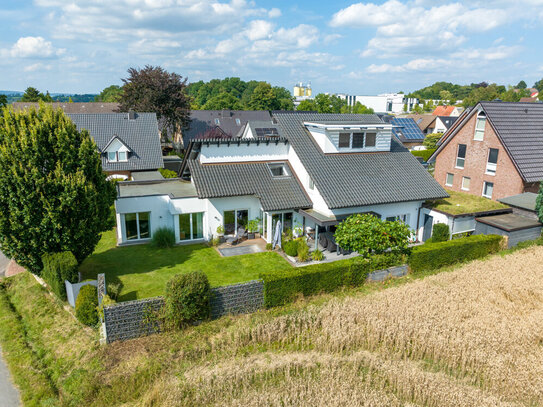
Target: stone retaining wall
[{"x": 237, "y": 299}]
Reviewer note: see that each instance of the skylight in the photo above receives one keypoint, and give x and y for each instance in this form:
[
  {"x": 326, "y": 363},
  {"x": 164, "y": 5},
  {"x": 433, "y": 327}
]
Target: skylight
[{"x": 279, "y": 169}]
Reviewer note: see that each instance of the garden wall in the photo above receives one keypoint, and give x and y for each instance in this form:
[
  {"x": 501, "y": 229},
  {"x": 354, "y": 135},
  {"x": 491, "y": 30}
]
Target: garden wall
[{"x": 72, "y": 290}]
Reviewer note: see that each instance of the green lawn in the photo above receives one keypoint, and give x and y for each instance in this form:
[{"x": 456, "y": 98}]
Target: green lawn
[
  {"x": 461, "y": 202},
  {"x": 144, "y": 270}
]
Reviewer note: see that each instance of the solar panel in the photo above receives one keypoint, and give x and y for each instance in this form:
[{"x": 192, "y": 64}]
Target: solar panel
[
  {"x": 267, "y": 132},
  {"x": 408, "y": 129}
]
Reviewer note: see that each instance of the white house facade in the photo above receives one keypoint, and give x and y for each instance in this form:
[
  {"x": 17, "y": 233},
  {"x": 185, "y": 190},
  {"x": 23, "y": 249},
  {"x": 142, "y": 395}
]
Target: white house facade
[{"x": 309, "y": 171}]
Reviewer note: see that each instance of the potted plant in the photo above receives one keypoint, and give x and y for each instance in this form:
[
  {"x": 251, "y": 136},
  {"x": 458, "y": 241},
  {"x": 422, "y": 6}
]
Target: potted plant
[
  {"x": 220, "y": 233},
  {"x": 252, "y": 227},
  {"x": 258, "y": 231}
]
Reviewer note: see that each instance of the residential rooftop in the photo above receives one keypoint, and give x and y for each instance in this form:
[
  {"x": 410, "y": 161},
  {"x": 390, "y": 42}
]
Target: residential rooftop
[
  {"x": 526, "y": 200},
  {"x": 461, "y": 203},
  {"x": 173, "y": 187}
]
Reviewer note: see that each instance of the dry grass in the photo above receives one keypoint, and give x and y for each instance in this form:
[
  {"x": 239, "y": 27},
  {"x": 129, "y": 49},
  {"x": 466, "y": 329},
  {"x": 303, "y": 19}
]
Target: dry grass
[{"x": 469, "y": 337}]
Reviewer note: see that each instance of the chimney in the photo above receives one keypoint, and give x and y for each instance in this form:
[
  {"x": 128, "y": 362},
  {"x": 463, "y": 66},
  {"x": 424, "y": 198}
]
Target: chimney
[{"x": 131, "y": 115}]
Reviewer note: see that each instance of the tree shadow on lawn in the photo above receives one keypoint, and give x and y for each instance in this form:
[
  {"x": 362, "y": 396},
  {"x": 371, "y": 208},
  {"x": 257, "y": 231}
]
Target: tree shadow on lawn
[{"x": 119, "y": 263}]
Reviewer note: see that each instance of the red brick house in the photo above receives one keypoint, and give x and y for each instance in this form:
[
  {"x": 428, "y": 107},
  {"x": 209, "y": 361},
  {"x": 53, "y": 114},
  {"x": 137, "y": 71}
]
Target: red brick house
[{"x": 495, "y": 150}]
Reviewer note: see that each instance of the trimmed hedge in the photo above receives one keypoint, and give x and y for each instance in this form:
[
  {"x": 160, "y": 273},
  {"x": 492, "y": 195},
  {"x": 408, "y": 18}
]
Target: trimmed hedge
[
  {"x": 86, "y": 305},
  {"x": 58, "y": 267},
  {"x": 425, "y": 154},
  {"x": 440, "y": 233},
  {"x": 281, "y": 287},
  {"x": 290, "y": 247},
  {"x": 431, "y": 256},
  {"x": 187, "y": 299}
]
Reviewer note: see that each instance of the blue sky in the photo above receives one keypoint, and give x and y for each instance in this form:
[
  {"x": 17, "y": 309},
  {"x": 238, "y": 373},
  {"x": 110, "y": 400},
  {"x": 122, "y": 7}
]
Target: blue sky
[{"x": 82, "y": 46}]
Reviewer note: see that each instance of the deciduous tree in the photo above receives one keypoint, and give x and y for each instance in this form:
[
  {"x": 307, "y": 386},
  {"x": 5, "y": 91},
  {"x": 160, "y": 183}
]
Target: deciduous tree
[
  {"x": 152, "y": 89},
  {"x": 110, "y": 94},
  {"x": 223, "y": 101},
  {"x": 54, "y": 195},
  {"x": 3, "y": 101}
]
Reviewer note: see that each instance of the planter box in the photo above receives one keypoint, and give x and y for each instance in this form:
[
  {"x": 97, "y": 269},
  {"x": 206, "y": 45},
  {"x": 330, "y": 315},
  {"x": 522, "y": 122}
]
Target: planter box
[{"x": 250, "y": 236}]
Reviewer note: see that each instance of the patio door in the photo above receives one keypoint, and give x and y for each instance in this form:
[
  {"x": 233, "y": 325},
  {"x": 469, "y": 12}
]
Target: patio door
[{"x": 235, "y": 219}]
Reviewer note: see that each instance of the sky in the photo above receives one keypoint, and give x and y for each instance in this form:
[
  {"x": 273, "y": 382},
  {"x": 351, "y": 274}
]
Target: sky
[{"x": 360, "y": 48}]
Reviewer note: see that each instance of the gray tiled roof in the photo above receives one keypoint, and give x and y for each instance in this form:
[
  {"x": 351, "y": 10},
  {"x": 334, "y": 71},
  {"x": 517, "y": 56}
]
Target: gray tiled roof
[
  {"x": 252, "y": 178},
  {"x": 346, "y": 180},
  {"x": 140, "y": 135},
  {"x": 520, "y": 128},
  {"x": 77, "y": 107},
  {"x": 526, "y": 200}
]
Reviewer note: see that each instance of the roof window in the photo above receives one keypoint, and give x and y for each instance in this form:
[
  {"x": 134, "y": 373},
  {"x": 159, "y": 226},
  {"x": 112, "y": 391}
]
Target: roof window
[{"x": 279, "y": 169}]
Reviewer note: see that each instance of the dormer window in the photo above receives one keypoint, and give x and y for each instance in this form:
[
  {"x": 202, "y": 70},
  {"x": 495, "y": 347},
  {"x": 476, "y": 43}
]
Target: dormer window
[
  {"x": 279, "y": 169},
  {"x": 357, "y": 140},
  {"x": 116, "y": 150},
  {"x": 238, "y": 122},
  {"x": 117, "y": 156},
  {"x": 217, "y": 122}
]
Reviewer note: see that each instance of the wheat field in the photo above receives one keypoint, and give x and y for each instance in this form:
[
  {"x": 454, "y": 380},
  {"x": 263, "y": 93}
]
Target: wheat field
[{"x": 469, "y": 337}]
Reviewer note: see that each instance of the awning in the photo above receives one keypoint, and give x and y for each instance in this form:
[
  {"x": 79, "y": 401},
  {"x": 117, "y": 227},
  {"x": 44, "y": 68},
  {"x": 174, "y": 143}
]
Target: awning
[{"x": 329, "y": 220}]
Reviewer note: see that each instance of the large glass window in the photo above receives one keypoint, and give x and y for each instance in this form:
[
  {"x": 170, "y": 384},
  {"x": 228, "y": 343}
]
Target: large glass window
[
  {"x": 449, "y": 180},
  {"x": 233, "y": 220},
  {"x": 137, "y": 225},
  {"x": 191, "y": 226},
  {"x": 242, "y": 217},
  {"x": 344, "y": 140},
  {"x": 480, "y": 128},
  {"x": 492, "y": 162},
  {"x": 461, "y": 156},
  {"x": 287, "y": 221}
]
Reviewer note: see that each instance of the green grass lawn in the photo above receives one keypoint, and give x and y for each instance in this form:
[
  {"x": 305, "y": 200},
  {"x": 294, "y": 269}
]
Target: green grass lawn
[
  {"x": 461, "y": 202},
  {"x": 144, "y": 270}
]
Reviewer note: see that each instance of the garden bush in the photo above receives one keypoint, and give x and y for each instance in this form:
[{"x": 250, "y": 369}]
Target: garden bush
[
  {"x": 425, "y": 154},
  {"x": 163, "y": 238},
  {"x": 303, "y": 250},
  {"x": 86, "y": 305},
  {"x": 440, "y": 232},
  {"x": 432, "y": 256},
  {"x": 290, "y": 247},
  {"x": 167, "y": 173},
  {"x": 187, "y": 299},
  {"x": 58, "y": 267},
  {"x": 281, "y": 287},
  {"x": 317, "y": 255}
]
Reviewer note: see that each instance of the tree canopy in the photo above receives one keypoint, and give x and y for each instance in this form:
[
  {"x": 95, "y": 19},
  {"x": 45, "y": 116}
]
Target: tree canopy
[
  {"x": 110, "y": 94},
  {"x": 54, "y": 195},
  {"x": 3, "y": 100},
  {"x": 153, "y": 89},
  {"x": 34, "y": 95}
]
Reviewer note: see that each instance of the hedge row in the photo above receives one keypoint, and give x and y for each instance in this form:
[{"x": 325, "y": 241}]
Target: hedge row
[
  {"x": 431, "y": 256},
  {"x": 425, "y": 154},
  {"x": 58, "y": 267},
  {"x": 281, "y": 287}
]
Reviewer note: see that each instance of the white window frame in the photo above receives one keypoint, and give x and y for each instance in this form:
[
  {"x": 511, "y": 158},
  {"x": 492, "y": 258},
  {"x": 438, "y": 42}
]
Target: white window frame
[
  {"x": 114, "y": 160},
  {"x": 351, "y": 136},
  {"x": 403, "y": 217},
  {"x": 463, "y": 183},
  {"x": 447, "y": 179},
  {"x": 137, "y": 226},
  {"x": 460, "y": 158},
  {"x": 492, "y": 167},
  {"x": 479, "y": 133},
  {"x": 217, "y": 121},
  {"x": 236, "y": 218},
  {"x": 238, "y": 122},
  {"x": 484, "y": 188},
  {"x": 191, "y": 227},
  {"x": 310, "y": 183},
  {"x": 284, "y": 166}
]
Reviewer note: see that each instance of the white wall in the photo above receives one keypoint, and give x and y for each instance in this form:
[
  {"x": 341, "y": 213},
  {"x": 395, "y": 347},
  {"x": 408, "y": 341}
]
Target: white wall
[
  {"x": 438, "y": 217},
  {"x": 328, "y": 139},
  {"x": 252, "y": 152},
  {"x": 217, "y": 206}
]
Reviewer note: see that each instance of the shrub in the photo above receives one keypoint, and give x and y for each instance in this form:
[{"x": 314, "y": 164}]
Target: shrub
[
  {"x": 432, "y": 256},
  {"x": 290, "y": 247},
  {"x": 113, "y": 290},
  {"x": 303, "y": 250},
  {"x": 440, "y": 232},
  {"x": 366, "y": 234},
  {"x": 269, "y": 246},
  {"x": 215, "y": 241},
  {"x": 253, "y": 225},
  {"x": 163, "y": 238},
  {"x": 187, "y": 299},
  {"x": 283, "y": 286},
  {"x": 317, "y": 255},
  {"x": 425, "y": 154},
  {"x": 167, "y": 173},
  {"x": 58, "y": 267},
  {"x": 220, "y": 230},
  {"x": 86, "y": 305}
]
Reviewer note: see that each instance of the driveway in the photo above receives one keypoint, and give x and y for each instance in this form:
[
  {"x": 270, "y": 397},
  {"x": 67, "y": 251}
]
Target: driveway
[{"x": 9, "y": 396}]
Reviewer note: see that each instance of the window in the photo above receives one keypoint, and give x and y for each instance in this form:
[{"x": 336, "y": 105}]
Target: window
[
  {"x": 311, "y": 183},
  {"x": 492, "y": 162},
  {"x": 238, "y": 122},
  {"x": 344, "y": 140},
  {"x": 403, "y": 218},
  {"x": 121, "y": 155},
  {"x": 235, "y": 219},
  {"x": 358, "y": 140},
  {"x": 137, "y": 225},
  {"x": 465, "y": 183},
  {"x": 217, "y": 122},
  {"x": 112, "y": 156},
  {"x": 480, "y": 127},
  {"x": 278, "y": 169},
  {"x": 488, "y": 187},
  {"x": 461, "y": 156},
  {"x": 370, "y": 139},
  {"x": 449, "y": 180},
  {"x": 191, "y": 226}
]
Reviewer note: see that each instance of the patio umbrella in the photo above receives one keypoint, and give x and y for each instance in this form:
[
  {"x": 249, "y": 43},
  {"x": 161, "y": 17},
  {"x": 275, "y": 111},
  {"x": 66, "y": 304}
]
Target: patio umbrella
[{"x": 277, "y": 235}]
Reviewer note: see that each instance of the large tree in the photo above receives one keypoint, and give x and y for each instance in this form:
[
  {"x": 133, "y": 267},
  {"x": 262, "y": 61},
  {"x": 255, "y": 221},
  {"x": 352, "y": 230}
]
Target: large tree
[
  {"x": 223, "y": 101},
  {"x": 34, "y": 95},
  {"x": 263, "y": 98},
  {"x": 152, "y": 89},
  {"x": 3, "y": 100},
  {"x": 53, "y": 193},
  {"x": 110, "y": 94}
]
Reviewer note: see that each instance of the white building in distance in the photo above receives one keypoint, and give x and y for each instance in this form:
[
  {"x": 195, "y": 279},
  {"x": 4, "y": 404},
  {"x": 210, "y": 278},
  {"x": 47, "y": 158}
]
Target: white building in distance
[{"x": 385, "y": 103}]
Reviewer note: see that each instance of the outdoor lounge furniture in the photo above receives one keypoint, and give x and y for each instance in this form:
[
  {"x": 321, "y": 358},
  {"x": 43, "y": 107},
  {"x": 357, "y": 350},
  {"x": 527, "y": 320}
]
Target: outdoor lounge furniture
[
  {"x": 323, "y": 241},
  {"x": 331, "y": 242}
]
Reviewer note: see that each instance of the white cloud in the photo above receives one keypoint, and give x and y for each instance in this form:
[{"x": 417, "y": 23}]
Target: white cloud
[
  {"x": 413, "y": 29},
  {"x": 259, "y": 29},
  {"x": 36, "y": 67},
  {"x": 33, "y": 47},
  {"x": 274, "y": 13}
]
